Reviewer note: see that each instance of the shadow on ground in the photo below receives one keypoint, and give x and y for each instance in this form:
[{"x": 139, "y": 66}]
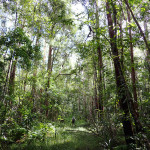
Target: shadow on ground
[{"x": 69, "y": 139}]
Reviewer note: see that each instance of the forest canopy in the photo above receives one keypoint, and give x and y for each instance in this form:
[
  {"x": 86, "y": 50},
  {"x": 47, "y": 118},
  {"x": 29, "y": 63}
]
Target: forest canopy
[{"x": 75, "y": 74}]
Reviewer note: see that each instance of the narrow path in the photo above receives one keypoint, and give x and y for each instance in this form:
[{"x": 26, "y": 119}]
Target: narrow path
[
  {"x": 65, "y": 138},
  {"x": 72, "y": 138}
]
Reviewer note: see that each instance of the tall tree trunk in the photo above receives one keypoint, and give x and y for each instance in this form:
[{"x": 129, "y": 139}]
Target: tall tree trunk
[
  {"x": 95, "y": 86},
  {"x": 121, "y": 44},
  {"x": 5, "y": 89},
  {"x": 25, "y": 81},
  {"x": 49, "y": 70},
  {"x": 144, "y": 37},
  {"x": 147, "y": 53},
  {"x": 12, "y": 79},
  {"x": 134, "y": 105},
  {"x": 132, "y": 65},
  {"x": 123, "y": 92},
  {"x": 34, "y": 90},
  {"x": 100, "y": 62},
  {"x": 140, "y": 29},
  {"x": 100, "y": 85},
  {"x": 49, "y": 66},
  {"x": 34, "y": 79}
]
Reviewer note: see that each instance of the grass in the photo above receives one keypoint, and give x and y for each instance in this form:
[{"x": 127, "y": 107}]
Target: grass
[
  {"x": 63, "y": 136},
  {"x": 67, "y": 138}
]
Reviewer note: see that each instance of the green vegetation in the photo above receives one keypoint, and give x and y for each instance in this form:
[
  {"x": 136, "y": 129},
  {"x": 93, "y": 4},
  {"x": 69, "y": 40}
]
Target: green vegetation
[
  {"x": 65, "y": 138},
  {"x": 74, "y": 75}
]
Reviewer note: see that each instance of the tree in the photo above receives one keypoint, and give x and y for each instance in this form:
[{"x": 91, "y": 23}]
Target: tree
[
  {"x": 17, "y": 46},
  {"x": 100, "y": 62},
  {"x": 124, "y": 94}
]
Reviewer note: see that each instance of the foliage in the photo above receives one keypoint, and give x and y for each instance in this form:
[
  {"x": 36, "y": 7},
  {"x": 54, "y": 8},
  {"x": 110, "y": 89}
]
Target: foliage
[
  {"x": 19, "y": 46},
  {"x": 56, "y": 62}
]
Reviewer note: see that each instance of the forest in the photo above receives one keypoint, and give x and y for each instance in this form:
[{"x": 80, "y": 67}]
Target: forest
[{"x": 74, "y": 75}]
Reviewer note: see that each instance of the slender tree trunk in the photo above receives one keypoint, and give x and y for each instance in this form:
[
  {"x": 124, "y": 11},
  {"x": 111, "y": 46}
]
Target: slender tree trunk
[
  {"x": 49, "y": 66},
  {"x": 147, "y": 53},
  {"x": 122, "y": 90},
  {"x": 121, "y": 43},
  {"x": 144, "y": 38},
  {"x": 6, "y": 89},
  {"x": 100, "y": 62},
  {"x": 134, "y": 105},
  {"x": 12, "y": 79},
  {"x": 95, "y": 85},
  {"x": 7, "y": 78},
  {"x": 140, "y": 29},
  {"x": 49, "y": 69},
  {"x": 34, "y": 79},
  {"x": 132, "y": 65},
  {"x": 24, "y": 87},
  {"x": 100, "y": 85},
  {"x": 34, "y": 90}
]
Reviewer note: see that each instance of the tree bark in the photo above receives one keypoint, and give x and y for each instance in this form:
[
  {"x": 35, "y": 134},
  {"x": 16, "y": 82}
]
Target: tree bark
[
  {"x": 95, "y": 86},
  {"x": 132, "y": 65},
  {"x": 49, "y": 66},
  {"x": 49, "y": 70},
  {"x": 147, "y": 53},
  {"x": 12, "y": 79},
  {"x": 5, "y": 88},
  {"x": 100, "y": 63},
  {"x": 121, "y": 43},
  {"x": 142, "y": 33},
  {"x": 100, "y": 85},
  {"x": 134, "y": 104},
  {"x": 34, "y": 77},
  {"x": 122, "y": 89}
]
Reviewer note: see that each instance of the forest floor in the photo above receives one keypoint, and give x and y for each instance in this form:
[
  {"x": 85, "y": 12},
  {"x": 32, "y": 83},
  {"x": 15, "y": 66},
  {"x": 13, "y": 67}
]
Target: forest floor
[{"x": 64, "y": 138}]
